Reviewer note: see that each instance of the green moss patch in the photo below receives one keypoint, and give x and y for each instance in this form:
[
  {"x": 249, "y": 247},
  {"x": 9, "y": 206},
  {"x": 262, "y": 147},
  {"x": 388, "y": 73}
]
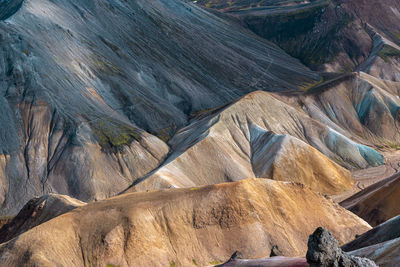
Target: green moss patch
[{"x": 114, "y": 135}]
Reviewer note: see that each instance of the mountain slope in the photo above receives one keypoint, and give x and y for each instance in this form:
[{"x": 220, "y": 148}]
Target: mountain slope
[
  {"x": 385, "y": 254},
  {"x": 37, "y": 211},
  {"x": 386, "y": 231},
  {"x": 378, "y": 202},
  {"x": 184, "y": 226},
  {"x": 258, "y": 136},
  {"x": 250, "y": 138},
  {"x": 381, "y": 244},
  {"x": 87, "y": 86},
  {"x": 328, "y": 35}
]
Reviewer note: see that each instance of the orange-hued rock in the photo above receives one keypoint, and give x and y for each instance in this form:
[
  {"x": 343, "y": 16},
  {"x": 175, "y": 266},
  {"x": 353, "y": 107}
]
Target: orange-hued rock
[
  {"x": 257, "y": 136},
  {"x": 181, "y": 227},
  {"x": 378, "y": 202}
]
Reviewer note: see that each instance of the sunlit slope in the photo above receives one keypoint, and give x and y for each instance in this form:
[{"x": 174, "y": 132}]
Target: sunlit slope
[
  {"x": 184, "y": 226},
  {"x": 90, "y": 89}
]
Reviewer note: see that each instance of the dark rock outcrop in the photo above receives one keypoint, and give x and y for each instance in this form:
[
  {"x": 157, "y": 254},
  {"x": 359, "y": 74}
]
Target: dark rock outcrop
[
  {"x": 9, "y": 7},
  {"x": 275, "y": 251},
  {"x": 237, "y": 255},
  {"x": 37, "y": 211},
  {"x": 323, "y": 251}
]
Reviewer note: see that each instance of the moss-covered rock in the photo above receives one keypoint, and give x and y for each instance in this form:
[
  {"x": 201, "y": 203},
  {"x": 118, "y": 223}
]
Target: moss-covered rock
[{"x": 113, "y": 134}]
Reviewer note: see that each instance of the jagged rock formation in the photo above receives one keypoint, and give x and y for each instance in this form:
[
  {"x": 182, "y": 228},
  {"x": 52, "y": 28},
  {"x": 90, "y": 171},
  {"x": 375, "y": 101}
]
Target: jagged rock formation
[
  {"x": 37, "y": 211},
  {"x": 89, "y": 88},
  {"x": 378, "y": 202},
  {"x": 184, "y": 226},
  {"x": 323, "y": 251}
]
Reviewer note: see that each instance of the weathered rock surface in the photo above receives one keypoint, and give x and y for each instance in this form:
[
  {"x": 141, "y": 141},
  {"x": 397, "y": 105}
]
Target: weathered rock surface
[
  {"x": 37, "y": 211},
  {"x": 385, "y": 254},
  {"x": 323, "y": 251},
  {"x": 329, "y": 35},
  {"x": 184, "y": 226},
  {"x": 85, "y": 88},
  {"x": 249, "y": 139},
  {"x": 386, "y": 231},
  {"x": 378, "y": 202},
  {"x": 264, "y": 133}
]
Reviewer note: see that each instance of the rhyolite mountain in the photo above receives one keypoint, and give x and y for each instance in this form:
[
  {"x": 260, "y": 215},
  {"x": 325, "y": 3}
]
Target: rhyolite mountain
[
  {"x": 96, "y": 96},
  {"x": 329, "y": 35},
  {"x": 198, "y": 226},
  {"x": 90, "y": 89},
  {"x": 132, "y": 132},
  {"x": 378, "y": 202},
  {"x": 381, "y": 244}
]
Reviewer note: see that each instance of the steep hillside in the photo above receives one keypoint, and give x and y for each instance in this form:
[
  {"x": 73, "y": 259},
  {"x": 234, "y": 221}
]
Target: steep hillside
[
  {"x": 381, "y": 244},
  {"x": 257, "y": 136},
  {"x": 184, "y": 227},
  {"x": 348, "y": 119},
  {"x": 87, "y": 86},
  {"x": 386, "y": 254},
  {"x": 386, "y": 231},
  {"x": 37, "y": 211},
  {"x": 378, "y": 202},
  {"x": 329, "y": 35}
]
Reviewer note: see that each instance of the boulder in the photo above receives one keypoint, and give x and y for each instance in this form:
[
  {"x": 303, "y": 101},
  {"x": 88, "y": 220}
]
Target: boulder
[{"x": 323, "y": 251}]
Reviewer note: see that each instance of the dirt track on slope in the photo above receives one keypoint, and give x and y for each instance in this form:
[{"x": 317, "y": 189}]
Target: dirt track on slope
[{"x": 370, "y": 176}]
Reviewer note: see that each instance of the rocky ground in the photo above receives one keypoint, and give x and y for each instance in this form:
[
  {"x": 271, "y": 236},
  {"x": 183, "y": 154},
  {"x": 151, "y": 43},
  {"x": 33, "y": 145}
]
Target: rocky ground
[
  {"x": 175, "y": 132},
  {"x": 201, "y": 225}
]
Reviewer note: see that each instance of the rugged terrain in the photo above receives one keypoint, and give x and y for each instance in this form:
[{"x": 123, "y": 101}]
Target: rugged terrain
[
  {"x": 155, "y": 104},
  {"x": 381, "y": 244},
  {"x": 328, "y": 35},
  {"x": 194, "y": 226},
  {"x": 378, "y": 202},
  {"x": 86, "y": 107},
  {"x": 176, "y": 132}
]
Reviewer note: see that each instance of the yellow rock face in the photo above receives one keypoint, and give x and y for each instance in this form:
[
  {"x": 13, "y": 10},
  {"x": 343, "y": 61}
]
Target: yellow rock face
[{"x": 181, "y": 226}]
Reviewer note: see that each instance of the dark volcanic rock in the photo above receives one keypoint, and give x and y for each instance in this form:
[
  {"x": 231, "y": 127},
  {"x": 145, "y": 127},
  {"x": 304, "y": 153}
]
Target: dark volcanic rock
[
  {"x": 323, "y": 251},
  {"x": 275, "y": 251},
  {"x": 236, "y": 255},
  {"x": 9, "y": 7}
]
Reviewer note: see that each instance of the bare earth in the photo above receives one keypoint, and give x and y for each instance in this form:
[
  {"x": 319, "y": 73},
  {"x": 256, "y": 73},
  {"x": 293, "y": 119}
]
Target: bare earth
[{"x": 370, "y": 176}]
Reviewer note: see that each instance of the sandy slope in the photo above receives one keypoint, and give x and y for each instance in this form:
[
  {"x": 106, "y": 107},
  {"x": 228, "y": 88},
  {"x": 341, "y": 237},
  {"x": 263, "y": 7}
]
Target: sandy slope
[{"x": 183, "y": 226}]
